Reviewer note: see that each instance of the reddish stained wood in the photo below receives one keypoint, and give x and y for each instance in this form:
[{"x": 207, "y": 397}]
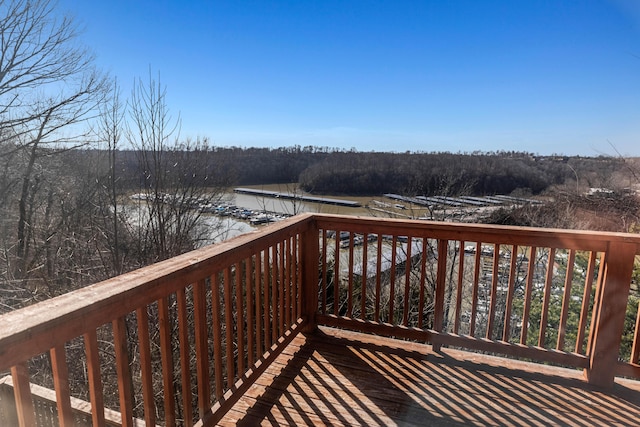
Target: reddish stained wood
[
  {"x": 282, "y": 252},
  {"x": 611, "y": 311},
  {"x": 217, "y": 334},
  {"x": 392, "y": 280},
  {"x": 363, "y": 281},
  {"x": 596, "y": 299},
  {"x": 376, "y": 315},
  {"x": 350, "y": 278},
  {"x": 336, "y": 274},
  {"x": 544, "y": 315},
  {"x": 267, "y": 300},
  {"x": 423, "y": 277},
  {"x": 38, "y": 328},
  {"x": 274, "y": 294},
  {"x": 60, "y": 373},
  {"x": 493, "y": 302},
  {"x": 407, "y": 282},
  {"x": 94, "y": 378},
  {"x": 202, "y": 350},
  {"x": 22, "y": 395},
  {"x": 506, "y": 333},
  {"x": 474, "y": 291},
  {"x": 500, "y": 234},
  {"x": 456, "y": 325},
  {"x": 298, "y": 279},
  {"x": 287, "y": 283},
  {"x": 527, "y": 295},
  {"x": 146, "y": 372},
  {"x": 258, "y": 300},
  {"x": 323, "y": 283},
  {"x": 125, "y": 388},
  {"x": 166, "y": 355},
  {"x": 249, "y": 284},
  {"x": 441, "y": 277},
  {"x": 566, "y": 298},
  {"x": 228, "y": 326},
  {"x": 309, "y": 275},
  {"x": 29, "y": 331},
  {"x": 635, "y": 349},
  {"x": 586, "y": 298},
  {"x": 239, "y": 318}
]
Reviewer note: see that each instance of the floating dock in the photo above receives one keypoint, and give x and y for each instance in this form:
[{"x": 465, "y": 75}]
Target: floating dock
[{"x": 289, "y": 196}]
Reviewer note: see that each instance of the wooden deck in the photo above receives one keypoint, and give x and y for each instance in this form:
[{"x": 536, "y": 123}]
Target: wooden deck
[{"x": 333, "y": 377}]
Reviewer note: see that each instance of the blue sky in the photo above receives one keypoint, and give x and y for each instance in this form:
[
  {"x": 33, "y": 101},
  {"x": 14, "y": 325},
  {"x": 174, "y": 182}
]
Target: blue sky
[{"x": 540, "y": 76}]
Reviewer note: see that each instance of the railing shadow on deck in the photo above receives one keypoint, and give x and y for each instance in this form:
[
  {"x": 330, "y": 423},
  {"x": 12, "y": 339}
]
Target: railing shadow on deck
[{"x": 348, "y": 382}]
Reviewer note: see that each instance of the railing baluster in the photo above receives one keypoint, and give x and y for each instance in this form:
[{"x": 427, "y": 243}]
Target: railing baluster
[
  {"x": 476, "y": 284},
  {"x": 363, "y": 277},
  {"x": 635, "y": 349},
  {"x": 259, "y": 322},
  {"x": 506, "y": 333},
  {"x": 239, "y": 318},
  {"x": 22, "y": 394},
  {"x": 287, "y": 283},
  {"x": 217, "y": 334},
  {"x": 566, "y": 298},
  {"x": 586, "y": 298},
  {"x": 456, "y": 324},
  {"x": 423, "y": 279},
  {"x": 336, "y": 274},
  {"x": 407, "y": 284},
  {"x": 60, "y": 372},
  {"x": 493, "y": 302},
  {"x": 146, "y": 372},
  {"x": 228, "y": 320},
  {"x": 95, "y": 380},
  {"x": 392, "y": 280},
  {"x": 298, "y": 279},
  {"x": 378, "y": 278},
  {"x": 267, "y": 301},
  {"x": 125, "y": 388},
  {"x": 185, "y": 369},
  {"x": 527, "y": 295},
  {"x": 274, "y": 294},
  {"x": 441, "y": 277},
  {"x": 249, "y": 274},
  {"x": 323, "y": 282},
  {"x": 281, "y": 288},
  {"x": 202, "y": 349},
  {"x": 596, "y": 299},
  {"x": 544, "y": 315},
  {"x": 350, "y": 277}
]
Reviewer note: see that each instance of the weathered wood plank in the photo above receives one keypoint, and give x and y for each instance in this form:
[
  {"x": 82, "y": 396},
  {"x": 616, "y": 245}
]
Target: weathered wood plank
[{"x": 336, "y": 377}]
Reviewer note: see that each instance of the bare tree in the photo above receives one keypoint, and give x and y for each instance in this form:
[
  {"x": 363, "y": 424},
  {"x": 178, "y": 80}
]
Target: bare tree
[
  {"x": 176, "y": 177},
  {"x": 49, "y": 90}
]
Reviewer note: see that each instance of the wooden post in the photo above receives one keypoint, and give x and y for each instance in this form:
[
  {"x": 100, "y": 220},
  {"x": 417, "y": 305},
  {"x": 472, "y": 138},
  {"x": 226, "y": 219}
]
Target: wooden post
[
  {"x": 22, "y": 393},
  {"x": 609, "y": 314},
  {"x": 309, "y": 289},
  {"x": 438, "y": 315}
]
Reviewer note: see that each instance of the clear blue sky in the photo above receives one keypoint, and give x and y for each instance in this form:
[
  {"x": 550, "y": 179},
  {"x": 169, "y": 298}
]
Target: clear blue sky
[{"x": 541, "y": 76}]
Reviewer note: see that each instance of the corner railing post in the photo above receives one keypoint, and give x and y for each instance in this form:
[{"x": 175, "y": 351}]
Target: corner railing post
[
  {"x": 309, "y": 290},
  {"x": 609, "y": 314}
]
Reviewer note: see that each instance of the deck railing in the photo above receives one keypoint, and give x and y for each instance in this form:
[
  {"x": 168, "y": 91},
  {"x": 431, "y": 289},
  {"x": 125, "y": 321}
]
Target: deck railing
[
  {"x": 554, "y": 296},
  {"x": 179, "y": 341}
]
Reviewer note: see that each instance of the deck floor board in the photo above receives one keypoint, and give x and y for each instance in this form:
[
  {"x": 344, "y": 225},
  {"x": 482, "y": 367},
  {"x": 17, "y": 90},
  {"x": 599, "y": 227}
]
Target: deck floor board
[{"x": 337, "y": 378}]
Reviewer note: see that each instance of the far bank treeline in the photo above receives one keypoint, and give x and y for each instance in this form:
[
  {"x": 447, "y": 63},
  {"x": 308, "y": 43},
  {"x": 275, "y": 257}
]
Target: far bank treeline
[{"x": 330, "y": 171}]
